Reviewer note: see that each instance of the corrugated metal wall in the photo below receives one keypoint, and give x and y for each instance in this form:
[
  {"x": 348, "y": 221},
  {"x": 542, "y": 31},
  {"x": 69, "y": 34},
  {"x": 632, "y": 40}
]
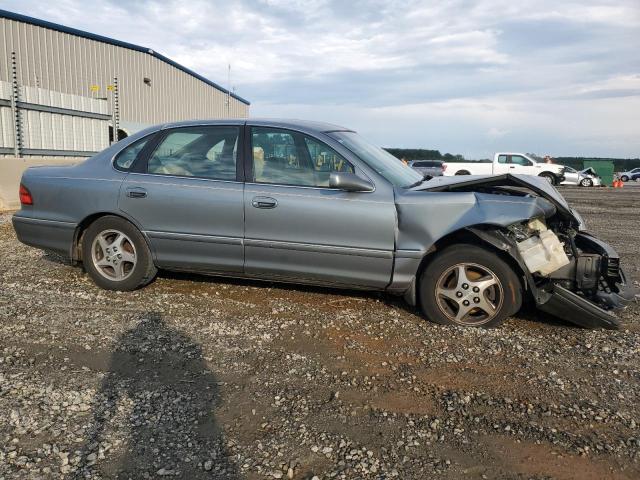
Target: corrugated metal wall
[
  {"x": 7, "y": 139},
  {"x": 59, "y": 131},
  {"x": 70, "y": 64}
]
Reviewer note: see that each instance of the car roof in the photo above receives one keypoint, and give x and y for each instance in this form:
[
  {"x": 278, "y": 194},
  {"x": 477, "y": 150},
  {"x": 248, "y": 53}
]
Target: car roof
[{"x": 295, "y": 124}]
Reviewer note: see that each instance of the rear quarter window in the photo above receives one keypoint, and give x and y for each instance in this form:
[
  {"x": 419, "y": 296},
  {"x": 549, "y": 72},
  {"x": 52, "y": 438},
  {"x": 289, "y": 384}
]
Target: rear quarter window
[{"x": 124, "y": 160}]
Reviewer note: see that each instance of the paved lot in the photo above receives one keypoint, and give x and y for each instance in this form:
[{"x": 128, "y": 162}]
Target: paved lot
[{"x": 195, "y": 377}]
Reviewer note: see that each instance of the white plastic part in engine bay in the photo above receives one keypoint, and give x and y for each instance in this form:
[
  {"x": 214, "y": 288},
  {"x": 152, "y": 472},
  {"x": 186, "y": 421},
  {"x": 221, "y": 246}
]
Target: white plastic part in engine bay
[{"x": 542, "y": 253}]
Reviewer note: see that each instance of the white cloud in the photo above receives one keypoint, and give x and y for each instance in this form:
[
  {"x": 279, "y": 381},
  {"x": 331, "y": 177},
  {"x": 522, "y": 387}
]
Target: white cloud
[{"x": 558, "y": 77}]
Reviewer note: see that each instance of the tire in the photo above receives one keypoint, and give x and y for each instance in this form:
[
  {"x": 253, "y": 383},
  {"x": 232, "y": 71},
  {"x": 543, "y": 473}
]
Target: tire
[
  {"x": 116, "y": 255},
  {"x": 549, "y": 177},
  {"x": 586, "y": 182},
  {"x": 442, "y": 292},
  {"x": 462, "y": 172},
  {"x": 624, "y": 178}
]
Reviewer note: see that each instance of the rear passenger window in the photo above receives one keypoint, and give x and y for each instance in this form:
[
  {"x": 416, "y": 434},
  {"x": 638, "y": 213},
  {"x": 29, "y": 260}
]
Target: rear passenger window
[
  {"x": 204, "y": 152},
  {"x": 126, "y": 157},
  {"x": 502, "y": 159}
]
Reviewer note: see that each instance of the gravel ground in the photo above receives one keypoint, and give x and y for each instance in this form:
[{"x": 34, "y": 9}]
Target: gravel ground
[{"x": 196, "y": 377}]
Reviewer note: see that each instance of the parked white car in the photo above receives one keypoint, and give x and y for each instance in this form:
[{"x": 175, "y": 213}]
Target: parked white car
[
  {"x": 632, "y": 174},
  {"x": 584, "y": 178},
  {"x": 508, "y": 162}
]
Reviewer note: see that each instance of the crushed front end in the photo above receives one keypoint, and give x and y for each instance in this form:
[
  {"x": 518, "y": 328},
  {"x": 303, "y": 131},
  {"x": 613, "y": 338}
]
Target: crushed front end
[{"x": 570, "y": 273}]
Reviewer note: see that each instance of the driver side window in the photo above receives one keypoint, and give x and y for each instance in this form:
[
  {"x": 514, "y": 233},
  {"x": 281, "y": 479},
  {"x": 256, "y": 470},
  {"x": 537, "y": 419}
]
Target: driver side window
[
  {"x": 203, "y": 152},
  {"x": 290, "y": 158},
  {"x": 518, "y": 160}
]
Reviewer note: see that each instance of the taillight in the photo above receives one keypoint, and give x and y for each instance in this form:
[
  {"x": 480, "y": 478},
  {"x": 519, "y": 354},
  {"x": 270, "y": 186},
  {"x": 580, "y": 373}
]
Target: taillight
[
  {"x": 444, "y": 167},
  {"x": 25, "y": 196}
]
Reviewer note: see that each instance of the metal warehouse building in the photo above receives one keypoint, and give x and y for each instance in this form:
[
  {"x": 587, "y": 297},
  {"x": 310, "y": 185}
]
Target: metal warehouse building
[{"x": 64, "y": 91}]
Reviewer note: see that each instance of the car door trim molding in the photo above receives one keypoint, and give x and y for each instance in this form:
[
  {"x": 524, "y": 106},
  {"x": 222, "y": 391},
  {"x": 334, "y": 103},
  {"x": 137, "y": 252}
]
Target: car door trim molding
[
  {"x": 192, "y": 237},
  {"x": 308, "y": 247},
  {"x": 317, "y": 197},
  {"x": 187, "y": 177}
]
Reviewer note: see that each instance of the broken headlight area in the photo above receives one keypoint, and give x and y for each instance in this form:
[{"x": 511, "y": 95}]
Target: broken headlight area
[{"x": 574, "y": 275}]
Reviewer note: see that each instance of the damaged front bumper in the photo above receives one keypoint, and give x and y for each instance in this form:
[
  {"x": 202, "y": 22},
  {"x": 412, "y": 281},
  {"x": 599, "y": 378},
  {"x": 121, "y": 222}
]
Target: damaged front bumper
[
  {"x": 591, "y": 289},
  {"x": 569, "y": 306},
  {"x": 588, "y": 291}
]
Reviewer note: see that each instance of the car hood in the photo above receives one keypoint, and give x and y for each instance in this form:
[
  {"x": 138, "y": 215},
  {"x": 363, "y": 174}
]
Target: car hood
[{"x": 536, "y": 185}]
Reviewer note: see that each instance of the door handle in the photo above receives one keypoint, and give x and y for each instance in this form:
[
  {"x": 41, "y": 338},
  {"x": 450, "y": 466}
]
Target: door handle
[
  {"x": 512, "y": 166},
  {"x": 264, "y": 202},
  {"x": 136, "y": 192}
]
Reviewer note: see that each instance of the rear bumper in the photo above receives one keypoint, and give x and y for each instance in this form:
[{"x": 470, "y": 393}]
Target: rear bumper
[{"x": 45, "y": 234}]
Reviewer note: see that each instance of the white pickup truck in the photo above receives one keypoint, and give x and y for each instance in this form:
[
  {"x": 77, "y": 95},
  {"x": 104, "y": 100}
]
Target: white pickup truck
[{"x": 507, "y": 162}]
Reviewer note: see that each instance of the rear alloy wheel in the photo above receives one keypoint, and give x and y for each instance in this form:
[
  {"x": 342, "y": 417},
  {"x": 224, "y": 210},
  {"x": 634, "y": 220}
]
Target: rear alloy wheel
[
  {"x": 469, "y": 286},
  {"x": 586, "y": 182},
  {"x": 116, "y": 255},
  {"x": 624, "y": 178},
  {"x": 550, "y": 177}
]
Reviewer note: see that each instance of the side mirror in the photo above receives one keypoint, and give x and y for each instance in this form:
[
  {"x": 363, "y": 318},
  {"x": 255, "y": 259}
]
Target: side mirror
[{"x": 349, "y": 182}]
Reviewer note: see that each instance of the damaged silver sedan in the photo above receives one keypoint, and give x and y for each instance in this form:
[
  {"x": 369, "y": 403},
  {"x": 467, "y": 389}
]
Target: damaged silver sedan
[{"x": 309, "y": 202}]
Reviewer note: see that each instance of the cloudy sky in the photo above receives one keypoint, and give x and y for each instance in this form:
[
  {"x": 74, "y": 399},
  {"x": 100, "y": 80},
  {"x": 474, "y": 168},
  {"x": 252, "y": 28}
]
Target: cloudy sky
[{"x": 556, "y": 77}]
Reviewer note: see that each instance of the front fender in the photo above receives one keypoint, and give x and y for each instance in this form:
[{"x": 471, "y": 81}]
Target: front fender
[{"x": 426, "y": 217}]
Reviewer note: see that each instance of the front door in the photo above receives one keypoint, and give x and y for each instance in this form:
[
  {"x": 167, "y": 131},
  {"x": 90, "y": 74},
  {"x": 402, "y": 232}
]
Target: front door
[
  {"x": 187, "y": 199},
  {"x": 296, "y": 227},
  {"x": 523, "y": 165}
]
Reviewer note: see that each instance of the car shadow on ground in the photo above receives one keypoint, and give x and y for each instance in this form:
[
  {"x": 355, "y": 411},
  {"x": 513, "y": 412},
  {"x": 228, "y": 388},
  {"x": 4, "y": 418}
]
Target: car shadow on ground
[{"x": 159, "y": 397}]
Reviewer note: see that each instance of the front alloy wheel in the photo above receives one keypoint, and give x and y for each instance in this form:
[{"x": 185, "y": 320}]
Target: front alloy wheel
[
  {"x": 586, "y": 182},
  {"x": 469, "y": 294},
  {"x": 468, "y": 286}
]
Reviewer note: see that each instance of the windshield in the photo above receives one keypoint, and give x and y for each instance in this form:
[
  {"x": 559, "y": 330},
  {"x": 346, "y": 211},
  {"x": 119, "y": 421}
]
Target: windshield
[{"x": 392, "y": 169}]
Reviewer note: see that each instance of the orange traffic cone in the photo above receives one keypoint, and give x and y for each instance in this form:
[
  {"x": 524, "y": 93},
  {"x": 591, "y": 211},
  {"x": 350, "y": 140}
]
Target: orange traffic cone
[{"x": 615, "y": 184}]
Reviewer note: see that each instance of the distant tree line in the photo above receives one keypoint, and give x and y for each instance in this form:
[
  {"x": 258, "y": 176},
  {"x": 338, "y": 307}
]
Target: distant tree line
[
  {"x": 619, "y": 164},
  {"x": 423, "y": 154}
]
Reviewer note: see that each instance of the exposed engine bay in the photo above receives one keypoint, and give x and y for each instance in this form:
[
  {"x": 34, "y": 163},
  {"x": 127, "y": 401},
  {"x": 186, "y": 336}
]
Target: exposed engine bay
[
  {"x": 570, "y": 273},
  {"x": 568, "y": 268}
]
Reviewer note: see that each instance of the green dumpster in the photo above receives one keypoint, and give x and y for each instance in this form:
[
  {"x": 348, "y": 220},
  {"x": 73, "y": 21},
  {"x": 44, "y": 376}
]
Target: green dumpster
[{"x": 604, "y": 168}]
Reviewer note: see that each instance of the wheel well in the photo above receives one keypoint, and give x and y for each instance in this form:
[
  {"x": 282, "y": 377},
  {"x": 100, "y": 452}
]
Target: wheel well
[
  {"x": 463, "y": 172},
  {"x": 547, "y": 174},
  {"x": 76, "y": 249},
  {"x": 466, "y": 236}
]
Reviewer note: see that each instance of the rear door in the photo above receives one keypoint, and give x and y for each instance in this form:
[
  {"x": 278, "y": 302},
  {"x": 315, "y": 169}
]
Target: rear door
[
  {"x": 185, "y": 194},
  {"x": 298, "y": 228}
]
